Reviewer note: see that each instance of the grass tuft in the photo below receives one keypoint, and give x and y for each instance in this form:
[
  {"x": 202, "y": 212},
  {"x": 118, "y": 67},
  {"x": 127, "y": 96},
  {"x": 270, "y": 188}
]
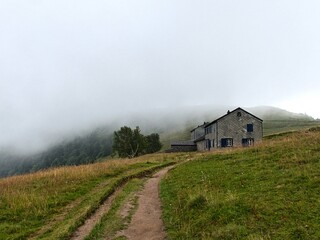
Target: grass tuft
[{"x": 198, "y": 202}]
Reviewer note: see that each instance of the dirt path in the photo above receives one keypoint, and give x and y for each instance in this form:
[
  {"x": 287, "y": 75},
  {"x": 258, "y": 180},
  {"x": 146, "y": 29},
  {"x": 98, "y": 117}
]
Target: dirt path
[
  {"x": 146, "y": 223},
  {"x": 89, "y": 224}
]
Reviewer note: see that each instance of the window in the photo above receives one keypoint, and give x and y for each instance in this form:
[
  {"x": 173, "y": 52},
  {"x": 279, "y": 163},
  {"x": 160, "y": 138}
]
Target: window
[
  {"x": 208, "y": 130},
  {"x": 250, "y": 127},
  {"x": 247, "y": 142},
  {"x": 229, "y": 142},
  {"x": 239, "y": 114},
  {"x": 226, "y": 142}
]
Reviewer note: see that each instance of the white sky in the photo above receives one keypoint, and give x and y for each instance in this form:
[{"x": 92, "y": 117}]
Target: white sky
[{"x": 68, "y": 64}]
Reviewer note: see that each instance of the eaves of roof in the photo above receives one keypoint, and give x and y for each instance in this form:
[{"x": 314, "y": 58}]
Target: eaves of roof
[
  {"x": 199, "y": 139},
  {"x": 230, "y": 113},
  {"x": 203, "y": 125},
  {"x": 183, "y": 143}
]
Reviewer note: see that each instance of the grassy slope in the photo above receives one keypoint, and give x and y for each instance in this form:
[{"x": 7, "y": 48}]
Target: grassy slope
[
  {"x": 34, "y": 202},
  {"x": 51, "y": 204},
  {"x": 267, "y": 192},
  {"x": 277, "y": 126}
]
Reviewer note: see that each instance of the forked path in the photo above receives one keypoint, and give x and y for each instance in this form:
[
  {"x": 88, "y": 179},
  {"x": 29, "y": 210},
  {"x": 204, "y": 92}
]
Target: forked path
[{"x": 146, "y": 223}]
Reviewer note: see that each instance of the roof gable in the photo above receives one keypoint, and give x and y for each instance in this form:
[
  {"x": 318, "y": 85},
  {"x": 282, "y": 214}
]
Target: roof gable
[
  {"x": 200, "y": 126},
  {"x": 237, "y": 109}
]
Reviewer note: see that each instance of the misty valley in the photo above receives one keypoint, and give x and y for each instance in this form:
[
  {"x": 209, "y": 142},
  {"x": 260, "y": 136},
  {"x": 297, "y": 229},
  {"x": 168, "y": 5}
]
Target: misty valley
[{"x": 97, "y": 144}]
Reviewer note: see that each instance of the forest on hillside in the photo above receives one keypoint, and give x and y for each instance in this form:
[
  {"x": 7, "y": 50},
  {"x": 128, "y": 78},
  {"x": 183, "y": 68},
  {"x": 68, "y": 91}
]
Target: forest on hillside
[{"x": 80, "y": 150}]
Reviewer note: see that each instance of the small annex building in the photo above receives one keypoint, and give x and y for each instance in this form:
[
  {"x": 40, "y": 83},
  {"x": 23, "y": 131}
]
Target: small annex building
[
  {"x": 234, "y": 129},
  {"x": 183, "y": 146}
]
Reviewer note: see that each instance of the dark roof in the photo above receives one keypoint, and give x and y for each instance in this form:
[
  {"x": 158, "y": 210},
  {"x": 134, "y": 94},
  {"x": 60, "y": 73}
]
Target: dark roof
[
  {"x": 199, "y": 139},
  {"x": 203, "y": 125},
  {"x": 232, "y": 112},
  {"x": 183, "y": 143}
]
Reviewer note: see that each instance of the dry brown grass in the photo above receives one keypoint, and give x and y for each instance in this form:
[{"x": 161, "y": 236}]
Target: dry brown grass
[
  {"x": 28, "y": 201},
  {"x": 31, "y": 191}
]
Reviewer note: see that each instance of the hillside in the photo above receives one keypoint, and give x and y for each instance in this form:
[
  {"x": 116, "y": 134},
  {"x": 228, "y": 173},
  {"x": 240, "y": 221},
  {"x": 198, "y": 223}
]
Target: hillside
[
  {"x": 78, "y": 150},
  {"x": 277, "y": 120},
  {"x": 269, "y": 191},
  {"x": 170, "y": 124},
  {"x": 52, "y": 204}
]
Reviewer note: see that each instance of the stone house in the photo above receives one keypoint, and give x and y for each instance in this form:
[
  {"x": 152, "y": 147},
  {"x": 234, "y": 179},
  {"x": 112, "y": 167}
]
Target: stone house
[{"x": 234, "y": 129}]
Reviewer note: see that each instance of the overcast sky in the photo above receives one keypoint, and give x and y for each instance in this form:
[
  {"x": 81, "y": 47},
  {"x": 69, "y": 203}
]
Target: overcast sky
[{"x": 68, "y": 64}]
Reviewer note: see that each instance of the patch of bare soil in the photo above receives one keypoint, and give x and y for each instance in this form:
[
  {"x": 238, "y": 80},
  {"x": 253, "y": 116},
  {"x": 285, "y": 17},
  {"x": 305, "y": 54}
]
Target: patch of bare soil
[
  {"x": 126, "y": 209},
  {"x": 90, "y": 222},
  {"x": 146, "y": 223}
]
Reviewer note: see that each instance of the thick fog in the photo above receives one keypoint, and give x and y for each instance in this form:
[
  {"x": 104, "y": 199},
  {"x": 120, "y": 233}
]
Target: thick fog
[{"x": 67, "y": 66}]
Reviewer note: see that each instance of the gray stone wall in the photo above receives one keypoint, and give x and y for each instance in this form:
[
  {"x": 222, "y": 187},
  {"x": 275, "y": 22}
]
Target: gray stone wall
[
  {"x": 234, "y": 125},
  {"x": 201, "y": 145}
]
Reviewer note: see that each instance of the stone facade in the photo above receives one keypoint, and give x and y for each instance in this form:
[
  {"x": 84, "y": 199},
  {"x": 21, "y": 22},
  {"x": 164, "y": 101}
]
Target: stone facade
[
  {"x": 201, "y": 144},
  {"x": 236, "y": 128}
]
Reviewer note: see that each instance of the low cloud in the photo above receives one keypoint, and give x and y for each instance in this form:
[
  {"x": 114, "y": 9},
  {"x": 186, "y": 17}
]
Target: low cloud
[{"x": 69, "y": 66}]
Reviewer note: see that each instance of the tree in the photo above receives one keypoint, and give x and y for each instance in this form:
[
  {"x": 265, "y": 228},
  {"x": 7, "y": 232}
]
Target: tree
[
  {"x": 153, "y": 143},
  {"x": 128, "y": 143}
]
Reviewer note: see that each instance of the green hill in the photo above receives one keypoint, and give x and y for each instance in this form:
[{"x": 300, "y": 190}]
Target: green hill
[
  {"x": 277, "y": 120},
  {"x": 270, "y": 191}
]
